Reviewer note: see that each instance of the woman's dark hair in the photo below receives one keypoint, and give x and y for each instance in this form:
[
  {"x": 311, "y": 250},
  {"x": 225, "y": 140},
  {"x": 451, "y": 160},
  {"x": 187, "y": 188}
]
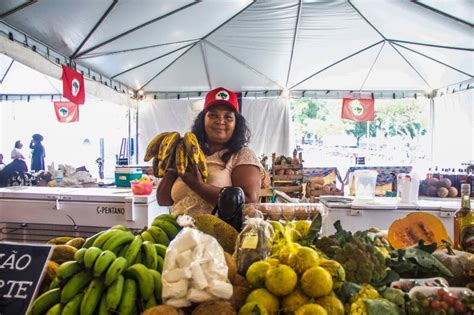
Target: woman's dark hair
[
  {"x": 37, "y": 137},
  {"x": 240, "y": 137},
  {"x": 17, "y": 144}
]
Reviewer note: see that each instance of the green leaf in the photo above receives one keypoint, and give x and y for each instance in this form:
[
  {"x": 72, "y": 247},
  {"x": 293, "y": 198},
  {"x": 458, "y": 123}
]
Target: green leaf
[{"x": 315, "y": 229}]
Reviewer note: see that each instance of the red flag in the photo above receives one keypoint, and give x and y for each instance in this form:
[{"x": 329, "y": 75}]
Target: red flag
[
  {"x": 73, "y": 86},
  {"x": 358, "y": 109},
  {"x": 66, "y": 112}
]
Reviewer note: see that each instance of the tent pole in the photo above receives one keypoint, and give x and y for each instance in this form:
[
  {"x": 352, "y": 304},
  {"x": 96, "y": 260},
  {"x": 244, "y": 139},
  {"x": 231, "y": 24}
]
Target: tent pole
[
  {"x": 136, "y": 133},
  {"x": 432, "y": 130}
]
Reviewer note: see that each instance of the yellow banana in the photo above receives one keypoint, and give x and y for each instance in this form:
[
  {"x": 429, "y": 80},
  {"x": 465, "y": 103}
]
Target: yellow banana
[
  {"x": 130, "y": 293},
  {"x": 105, "y": 259},
  {"x": 165, "y": 164},
  {"x": 133, "y": 250},
  {"x": 114, "y": 293},
  {"x": 90, "y": 256},
  {"x": 167, "y": 145},
  {"x": 151, "y": 257},
  {"x": 92, "y": 296},
  {"x": 181, "y": 158},
  {"x": 195, "y": 154},
  {"x": 144, "y": 278},
  {"x": 154, "y": 146},
  {"x": 68, "y": 269},
  {"x": 44, "y": 302},
  {"x": 158, "y": 286}
]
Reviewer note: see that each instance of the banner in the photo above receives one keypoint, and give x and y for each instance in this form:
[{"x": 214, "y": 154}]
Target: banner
[
  {"x": 66, "y": 112},
  {"x": 73, "y": 86},
  {"x": 358, "y": 109}
]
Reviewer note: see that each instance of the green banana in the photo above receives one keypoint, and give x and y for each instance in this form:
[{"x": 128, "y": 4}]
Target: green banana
[
  {"x": 167, "y": 145},
  {"x": 151, "y": 257},
  {"x": 154, "y": 146},
  {"x": 159, "y": 263},
  {"x": 79, "y": 255},
  {"x": 128, "y": 303},
  {"x": 54, "y": 284},
  {"x": 44, "y": 302},
  {"x": 123, "y": 250},
  {"x": 90, "y": 240},
  {"x": 68, "y": 269},
  {"x": 103, "y": 310},
  {"x": 72, "y": 307},
  {"x": 115, "y": 270},
  {"x": 167, "y": 217},
  {"x": 170, "y": 230},
  {"x": 118, "y": 240},
  {"x": 158, "y": 285},
  {"x": 161, "y": 250},
  {"x": 105, "y": 259},
  {"x": 133, "y": 250},
  {"x": 55, "y": 310},
  {"x": 140, "y": 258},
  {"x": 119, "y": 227},
  {"x": 144, "y": 278},
  {"x": 92, "y": 296},
  {"x": 146, "y": 236},
  {"x": 75, "y": 285},
  {"x": 151, "y": 302},
  {"x": 103, "y": 238},
  {"x": 90, "y": 256},
  {"x": 114, "y": 293},
  {"x": 158, "y": 235}
]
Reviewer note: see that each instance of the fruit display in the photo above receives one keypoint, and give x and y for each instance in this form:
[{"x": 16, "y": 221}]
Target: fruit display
[
  {"x": 285, "y": 211},
  {"x": 414, "y": 227},
  {"x": 114, "y": 271},
  {"x": 170, "y": 150},
  {"x": 316, "y": 186},
  {"x": 287, "y": 173},
  {"x": 435, "y": 187},
  {"x": 142, "y": 186},
  {"x": 426, "y": 300}
]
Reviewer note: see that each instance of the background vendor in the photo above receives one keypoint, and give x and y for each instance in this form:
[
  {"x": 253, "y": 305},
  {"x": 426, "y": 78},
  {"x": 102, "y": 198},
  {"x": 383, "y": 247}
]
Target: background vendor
[{"x": 223, "y": 135}]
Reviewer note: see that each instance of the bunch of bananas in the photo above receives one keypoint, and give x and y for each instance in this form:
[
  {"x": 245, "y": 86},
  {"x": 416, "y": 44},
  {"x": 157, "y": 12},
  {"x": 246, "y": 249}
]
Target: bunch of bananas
[
  {"x": 114, "y": 272},
  {"x": 170, "y": 148}
]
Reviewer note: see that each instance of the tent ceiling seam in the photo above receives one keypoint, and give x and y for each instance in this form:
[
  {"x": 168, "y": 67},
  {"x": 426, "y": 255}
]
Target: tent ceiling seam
[
  {"x": 203, "y": 38},
  {"x": 149, "y": 61},
  {"x": 372, "y": 66},
  {"x": 409, "y": 63},
  {"x": 96, "y": 26},
  {"x": 433, "y": 59},
  {"x": 442, "y": 13},
  {"x": 204, "y": 60},
  {"x": 6, "y": 72},
  {"x": 17, "y": 8},
  {"x": 242, "y": 62},
  {"x": 430, "y": 45},
  {"x": 366, "y": 20},
  {"x": 335, "y": 63},
  {"x": 169, "y": 65},
  {"x": 135, "y": 49},
  {"x": 137, "y": 28},
  {"x": 300, "y": 9}
]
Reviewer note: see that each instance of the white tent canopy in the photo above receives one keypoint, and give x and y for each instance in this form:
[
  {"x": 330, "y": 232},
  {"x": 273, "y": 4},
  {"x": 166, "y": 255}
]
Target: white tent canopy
[{"x": 297, "y": 45}]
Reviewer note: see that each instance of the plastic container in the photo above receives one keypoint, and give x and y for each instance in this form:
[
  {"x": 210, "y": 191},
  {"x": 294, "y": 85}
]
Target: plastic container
[
  {"x": 141, "y": 188},
  {"x": 285, "y": 211},
  {"x": 365, "y": 181},
  {"x": 408, "y": 186}
]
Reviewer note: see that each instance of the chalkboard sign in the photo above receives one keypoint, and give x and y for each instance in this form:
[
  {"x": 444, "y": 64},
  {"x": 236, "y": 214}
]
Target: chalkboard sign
[{"x": 21, "y": 271}]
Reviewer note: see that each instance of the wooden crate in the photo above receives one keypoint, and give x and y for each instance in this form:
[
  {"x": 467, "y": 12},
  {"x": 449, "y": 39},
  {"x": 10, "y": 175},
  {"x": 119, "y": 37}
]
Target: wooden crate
[{"x": 288, "y": 183}]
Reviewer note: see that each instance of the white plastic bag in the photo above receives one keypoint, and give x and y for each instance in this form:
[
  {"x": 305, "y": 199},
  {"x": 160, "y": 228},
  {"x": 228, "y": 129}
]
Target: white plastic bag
[{"x": 194, "y": 270}]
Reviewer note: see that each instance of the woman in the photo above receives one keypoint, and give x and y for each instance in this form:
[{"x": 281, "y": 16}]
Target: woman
[
  {"x": 223, "y": 136},
  {"x": 16, "y": 153},
  {"x": 38, "y": 153}
]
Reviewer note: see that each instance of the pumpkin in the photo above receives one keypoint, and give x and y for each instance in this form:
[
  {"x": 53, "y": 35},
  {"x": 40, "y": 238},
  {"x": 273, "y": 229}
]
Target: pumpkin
[{"x": 414, "y": 227}]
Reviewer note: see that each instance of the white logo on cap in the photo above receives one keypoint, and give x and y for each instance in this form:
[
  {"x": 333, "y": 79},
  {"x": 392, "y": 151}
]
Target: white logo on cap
[{"x": 222, "y": 95}]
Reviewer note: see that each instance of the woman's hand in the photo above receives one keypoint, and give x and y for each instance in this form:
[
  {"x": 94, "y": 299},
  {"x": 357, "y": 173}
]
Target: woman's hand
[{"x": 193, "y": 178}]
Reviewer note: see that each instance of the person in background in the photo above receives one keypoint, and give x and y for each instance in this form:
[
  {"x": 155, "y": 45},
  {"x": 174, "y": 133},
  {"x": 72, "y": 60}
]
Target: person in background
[
  {"x": 223, "y": 135},
  {"x": 16, "y": 153},
  {"x": 38, "y": 153},
  {"x": 2, "y": 165}
]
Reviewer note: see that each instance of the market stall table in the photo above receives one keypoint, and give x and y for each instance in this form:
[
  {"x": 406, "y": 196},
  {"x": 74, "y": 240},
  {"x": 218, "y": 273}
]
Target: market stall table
[{"x": 45, "y": 209}]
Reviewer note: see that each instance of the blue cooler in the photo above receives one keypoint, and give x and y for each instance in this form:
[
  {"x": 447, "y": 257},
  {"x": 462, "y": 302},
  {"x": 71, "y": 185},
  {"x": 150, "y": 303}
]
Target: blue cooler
[{"x": 124, "y": 174}]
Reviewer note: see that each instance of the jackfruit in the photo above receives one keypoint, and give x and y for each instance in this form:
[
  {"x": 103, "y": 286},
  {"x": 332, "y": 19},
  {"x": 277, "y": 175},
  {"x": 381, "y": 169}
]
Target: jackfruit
[{"x": 224, "y": 233}]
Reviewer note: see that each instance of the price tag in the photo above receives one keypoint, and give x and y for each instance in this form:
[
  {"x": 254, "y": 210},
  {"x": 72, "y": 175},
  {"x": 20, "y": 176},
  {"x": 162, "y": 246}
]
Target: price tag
[
  {"x": 250, "y": 241},
  {"x": 21, "y": 270}
]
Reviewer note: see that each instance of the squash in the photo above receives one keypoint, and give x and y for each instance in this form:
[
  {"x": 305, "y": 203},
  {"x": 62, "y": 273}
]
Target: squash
[
  {"x": 458, "y": 262},
  {"x": 414, "y": 227}
]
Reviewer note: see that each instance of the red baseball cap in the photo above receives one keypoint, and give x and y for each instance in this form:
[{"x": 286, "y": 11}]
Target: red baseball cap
[{"x": 221, "y": 96}]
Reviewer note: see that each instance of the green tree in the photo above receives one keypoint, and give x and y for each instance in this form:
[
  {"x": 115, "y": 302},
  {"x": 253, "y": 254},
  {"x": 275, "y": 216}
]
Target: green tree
[{"x": 359, "y": 130}]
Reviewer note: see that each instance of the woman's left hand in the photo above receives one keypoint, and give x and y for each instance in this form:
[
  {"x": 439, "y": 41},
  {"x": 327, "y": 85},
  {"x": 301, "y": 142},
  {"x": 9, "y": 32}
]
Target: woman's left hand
[{"x": 192, "y": 178}]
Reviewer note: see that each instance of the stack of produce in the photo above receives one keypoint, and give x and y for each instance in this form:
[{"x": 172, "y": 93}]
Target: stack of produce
[
  {"x": 169, "y": 150},
  {"x": 435, "y": 187},
  {"x": 114, "y": 271}
]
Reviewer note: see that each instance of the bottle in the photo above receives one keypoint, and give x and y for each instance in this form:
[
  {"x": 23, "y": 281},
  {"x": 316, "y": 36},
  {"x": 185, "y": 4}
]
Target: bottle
[{"x": 464, "y": 222}]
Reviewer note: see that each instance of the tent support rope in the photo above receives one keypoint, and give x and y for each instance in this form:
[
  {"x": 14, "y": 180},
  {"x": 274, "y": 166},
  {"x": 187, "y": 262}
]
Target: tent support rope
[{"x": 371, "y": 67}]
